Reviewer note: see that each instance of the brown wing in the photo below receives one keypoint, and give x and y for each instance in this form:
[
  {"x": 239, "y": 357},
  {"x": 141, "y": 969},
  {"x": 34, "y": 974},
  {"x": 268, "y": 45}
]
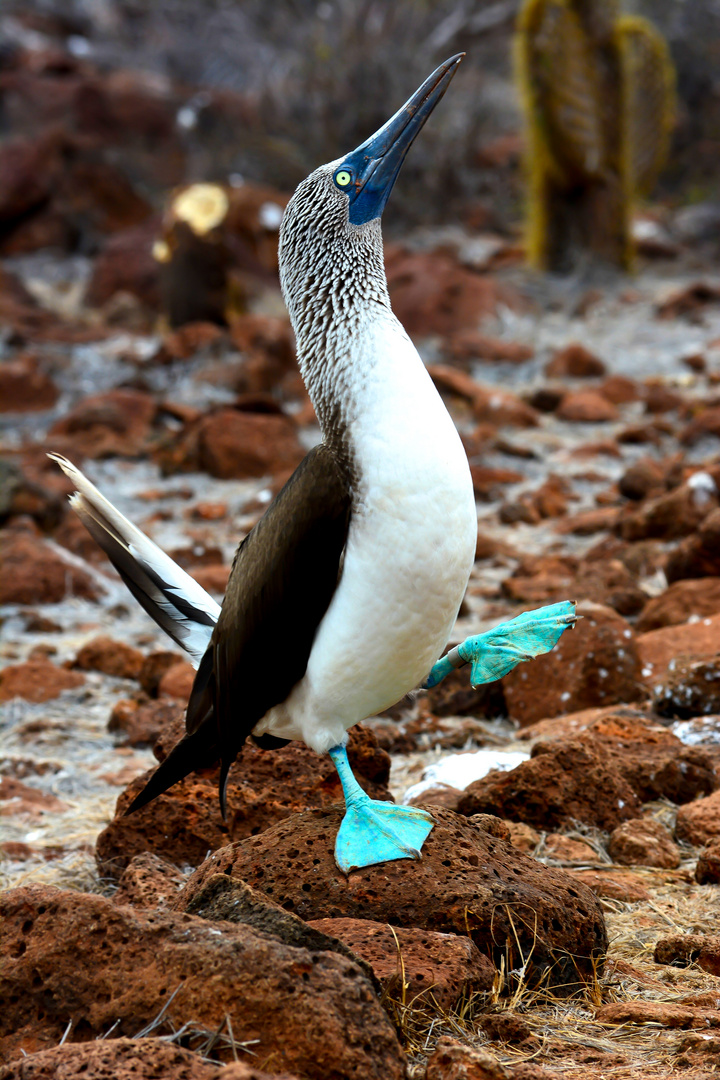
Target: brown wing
[{"x": 283, "y": 578}]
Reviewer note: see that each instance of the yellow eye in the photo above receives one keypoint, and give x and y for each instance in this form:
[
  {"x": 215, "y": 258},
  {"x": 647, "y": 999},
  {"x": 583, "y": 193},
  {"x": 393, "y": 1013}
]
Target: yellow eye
[{"x": 343, "y": 178}]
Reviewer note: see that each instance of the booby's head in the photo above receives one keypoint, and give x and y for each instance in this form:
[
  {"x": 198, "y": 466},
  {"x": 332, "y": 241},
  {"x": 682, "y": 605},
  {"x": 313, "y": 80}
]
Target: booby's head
[{"x": 336, "y": 211}]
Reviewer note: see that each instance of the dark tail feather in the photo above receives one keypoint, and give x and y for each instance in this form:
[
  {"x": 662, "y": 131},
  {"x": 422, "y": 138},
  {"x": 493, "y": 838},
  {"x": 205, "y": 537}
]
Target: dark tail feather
[{"x": 195, "y": 751}]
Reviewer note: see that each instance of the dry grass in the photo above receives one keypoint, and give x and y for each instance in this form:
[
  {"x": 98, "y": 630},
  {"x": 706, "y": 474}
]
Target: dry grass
[{"x": 565, "y": 1036}]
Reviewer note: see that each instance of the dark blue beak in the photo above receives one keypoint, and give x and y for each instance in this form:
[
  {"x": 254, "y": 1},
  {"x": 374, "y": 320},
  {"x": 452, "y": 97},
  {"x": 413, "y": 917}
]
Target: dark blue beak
[{"x": 368, "y": 174}]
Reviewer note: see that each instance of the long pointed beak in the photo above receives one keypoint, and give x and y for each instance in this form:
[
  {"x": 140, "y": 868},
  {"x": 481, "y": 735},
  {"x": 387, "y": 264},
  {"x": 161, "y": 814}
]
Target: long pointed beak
[{"x": 376, "y": 163}]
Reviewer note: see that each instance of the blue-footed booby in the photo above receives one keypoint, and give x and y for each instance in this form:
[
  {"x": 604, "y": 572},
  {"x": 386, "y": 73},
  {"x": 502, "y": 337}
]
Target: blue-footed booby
[{"x": 344, "y": 595}]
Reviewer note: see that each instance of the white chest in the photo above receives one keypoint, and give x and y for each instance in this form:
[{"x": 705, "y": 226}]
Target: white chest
[{"x": 409, "y": 553}]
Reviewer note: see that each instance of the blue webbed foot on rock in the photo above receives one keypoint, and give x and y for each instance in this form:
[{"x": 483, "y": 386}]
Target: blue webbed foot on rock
[
  {"x": 371, "y": 831},
  {"x": 499, "y": 650}
]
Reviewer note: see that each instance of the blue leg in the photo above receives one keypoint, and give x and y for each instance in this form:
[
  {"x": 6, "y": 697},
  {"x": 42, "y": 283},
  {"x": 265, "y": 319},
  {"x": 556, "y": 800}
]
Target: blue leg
[
  {"x": 371, "y": 831},
  {"x": 499, "y": 650}
]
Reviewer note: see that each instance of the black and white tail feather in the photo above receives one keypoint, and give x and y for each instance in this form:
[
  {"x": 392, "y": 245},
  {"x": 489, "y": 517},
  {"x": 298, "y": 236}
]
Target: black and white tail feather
[{"x": 171, "y": 597}]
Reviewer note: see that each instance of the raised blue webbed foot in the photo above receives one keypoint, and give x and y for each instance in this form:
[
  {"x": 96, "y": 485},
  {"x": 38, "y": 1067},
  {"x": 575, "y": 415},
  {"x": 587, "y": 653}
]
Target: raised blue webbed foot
[
  {"x": 371, "y": 831},
  {"x": 499, "y": 650}
]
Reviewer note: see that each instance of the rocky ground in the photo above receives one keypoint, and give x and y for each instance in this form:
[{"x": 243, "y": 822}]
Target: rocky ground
[{"x": 563, "y": 920}]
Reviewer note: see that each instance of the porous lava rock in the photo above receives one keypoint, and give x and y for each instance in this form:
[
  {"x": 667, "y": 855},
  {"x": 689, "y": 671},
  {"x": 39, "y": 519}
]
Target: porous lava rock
[
  {"x": 32, "y": 572},
  {"x": 141, "y": 721},
  {"x": 575, "y": 361},
  {"x": 231, "y": 444},
  {"x": 630, "y": 760},
  {"x": 643, "y": 842},
  {"x": 148, "y": 881},
  {"x": 690, "y": 688},
  {"x": 681, "y": 950},
  {"x": 455, "y": 1060},
  {"x": 597, "y": 663},
  {"x": 118, "y": 422},
  {"x": 127, "y": 1059},
  {"x": 664, "y": 1014},
  {"x": 422, "y": 966},
  {"x": 586, "y": 407},
  {"x": 699, "y": 822},
  {"x": 312, "y": 1013},
  {"x": 111, "y": 657},
  {"x": 468, "y": 882},
  {"x": 697, "y": 556},
  {"x": 562, "y": 783},
  {"x": 707, "y": 870},
  {"x": 681, "y": 601},
  {"x": 672, "y": 515},
  {"x": 37, "y": 680},
  {"x": 612, "y": 884},
  {"x": 264, "y": 787},
  {"x": 24, "y": 387},
  {"x": 225, "y": 899},
  {"x": 659, "y": 649},
  {"x": 432, "y": 294}
]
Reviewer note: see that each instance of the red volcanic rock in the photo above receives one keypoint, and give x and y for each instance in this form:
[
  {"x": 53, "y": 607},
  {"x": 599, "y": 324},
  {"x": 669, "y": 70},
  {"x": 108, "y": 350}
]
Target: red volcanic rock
[
  {"x": 614, "y": 762},
  {"x": 596, "y": 663},
  {"x": 566, "y": 782},
  {"x": 690, "y": 688},
  {"x": 115, "y": 423},
  {"x": 643, "y": 842},
  {"x": 154, "y": 667},
  {"x": 313, "y": 1013},
  {"x": 472, "y": 345},
  {"x": 36, "y": 680},
  {"x": 642, "y": 478},
  {"x": 455, "y": 1060},
  {"x": 491, "y": 404},
  {"x": 468, "y": 882},
  {"x": 706, "y": 422},
  {"x": 661, "y": 1013},
  {"x": 612, "y": 884},
  {"x": 265, "y": 786},
  {"x": 681, "y": 950},
  {"x": 177, "y": 681},
  {"x": 620, "y": 390},
  {"x": 231, "y": 444},
  {"x": 128, "y": 1059},
  {"x": 20, "y": 800},
  {"x": 437, "y": 969},
  {"x": 689, "y": 642},
  {"x": 125, "y": 264},
  {"x": 432, "y": 294},
  {"x": 28, "y": 171},
  {"x": 23, "y": 387},
  {"x": 680, "y": 602},
  {"x": 707, "y": 871},
  {"x": 32, "y": 573},
  {"x": 121, "y": 1059},
  {"x": 141, "y": 722},
  {"x": 564, "y": 850},
  {"x": 148, "y": 881},
  {"x": 699, "y": 822},
  {"x": 586, "y": 407},
  {"x": 111, "y": 657},
  {"x": 574, "y": 361},
  {"x": 670, "y": 516},
  {"x": 607, "y": 582},
  {"x": 699, "y": 555},
  {"x": 213, "y": 579}
]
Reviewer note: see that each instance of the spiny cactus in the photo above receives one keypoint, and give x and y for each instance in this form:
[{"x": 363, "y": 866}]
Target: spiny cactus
[{"x": 597, "y": 90}]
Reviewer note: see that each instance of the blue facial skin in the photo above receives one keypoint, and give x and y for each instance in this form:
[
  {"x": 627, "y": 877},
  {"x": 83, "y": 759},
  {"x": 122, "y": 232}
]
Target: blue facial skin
[{"x": 367, "y": 175}]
